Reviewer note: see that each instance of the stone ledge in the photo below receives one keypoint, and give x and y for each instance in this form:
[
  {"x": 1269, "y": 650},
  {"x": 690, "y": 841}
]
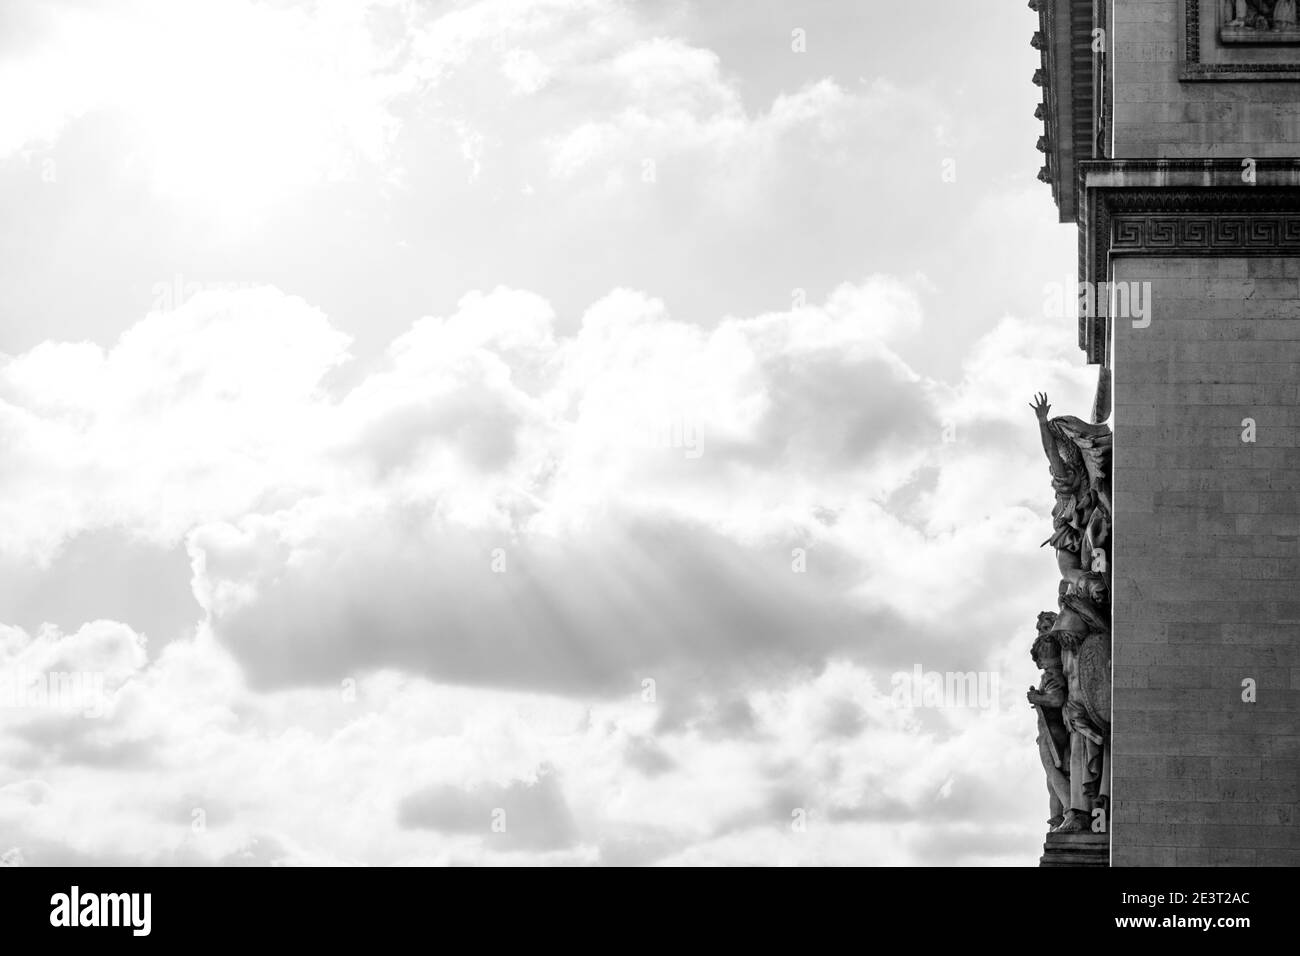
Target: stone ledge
[
  {"x": 1261, "y": 37},
  {"x": 1076, "y": 849}
]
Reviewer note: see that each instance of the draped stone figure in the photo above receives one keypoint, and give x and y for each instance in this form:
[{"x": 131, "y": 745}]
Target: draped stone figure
[
  {"x": 1047, "y": 699},
  {"x": 1084, "y": 640},
  {"x": 1077, "y": 641}
]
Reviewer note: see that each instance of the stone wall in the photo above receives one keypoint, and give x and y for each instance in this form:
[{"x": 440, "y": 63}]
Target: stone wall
[
  {"x": 1158, "y": 115},
  {"x": 1207, "y": 560}
]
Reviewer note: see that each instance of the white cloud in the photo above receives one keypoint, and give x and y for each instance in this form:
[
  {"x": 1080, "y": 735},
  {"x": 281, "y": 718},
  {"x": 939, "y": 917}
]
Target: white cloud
[
  {"x": 398, "y": 770},
  {"x": 350, "y": 537},
  {"x": 194, "y": 413},
  {"x": 642, "y": 450},
  {"x": 525, "y": 70}
]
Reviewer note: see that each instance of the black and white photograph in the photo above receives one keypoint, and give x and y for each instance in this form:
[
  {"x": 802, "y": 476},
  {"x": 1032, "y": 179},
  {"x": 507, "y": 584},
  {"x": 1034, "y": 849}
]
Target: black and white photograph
[{"x": 650, "y": 433}]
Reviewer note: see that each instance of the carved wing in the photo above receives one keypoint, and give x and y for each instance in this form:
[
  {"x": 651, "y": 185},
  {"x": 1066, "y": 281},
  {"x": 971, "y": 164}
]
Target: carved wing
[{"x": 1094, "y": 443}]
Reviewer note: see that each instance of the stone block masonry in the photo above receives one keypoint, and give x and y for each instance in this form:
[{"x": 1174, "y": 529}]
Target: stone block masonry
[{"x": 1207, "y": 561}]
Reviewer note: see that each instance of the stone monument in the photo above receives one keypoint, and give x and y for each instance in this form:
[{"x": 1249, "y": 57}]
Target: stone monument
[
  {"x": 1073, "y": 648},
  {"x": 1172, "y": 143}
]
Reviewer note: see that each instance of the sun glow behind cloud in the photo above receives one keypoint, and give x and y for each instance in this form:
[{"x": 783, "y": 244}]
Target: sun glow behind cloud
[{"x": 228, "y": 108}]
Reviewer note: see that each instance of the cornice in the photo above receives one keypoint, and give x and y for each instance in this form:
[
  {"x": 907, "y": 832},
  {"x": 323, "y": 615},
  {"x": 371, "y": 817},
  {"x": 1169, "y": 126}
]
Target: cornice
[
  {"x": 1203, "y": 207},
  {"x": 1065, "y": 74}
]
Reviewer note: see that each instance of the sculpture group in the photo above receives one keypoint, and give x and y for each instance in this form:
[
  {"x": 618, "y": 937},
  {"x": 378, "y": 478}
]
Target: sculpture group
[
  {"x": 1260, "y": 15},
  {"x": 1072, "y": 648}
]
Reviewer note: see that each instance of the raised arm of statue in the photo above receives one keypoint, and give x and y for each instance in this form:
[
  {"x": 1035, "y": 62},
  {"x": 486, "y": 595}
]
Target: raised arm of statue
[{"x": 1041, "y": 409}]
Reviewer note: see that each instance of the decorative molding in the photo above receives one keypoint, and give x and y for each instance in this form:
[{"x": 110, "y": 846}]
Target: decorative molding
[
  {"x": 1144, "y": 219},
  {"x": 1194, "y": 69},
  {"x": 1236, "y": 36},
  {"x": 1067, "y": 76},
  {"x": 1044, "y": 40},
  {"x": 1185, "y": 234}
]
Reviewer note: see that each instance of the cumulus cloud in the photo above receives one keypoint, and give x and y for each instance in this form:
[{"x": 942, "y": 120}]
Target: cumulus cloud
[
  {"x": 194, "y": 412},
  {"x": 503, "y": 503},
  {"x": 550, "y": 520},
  {"x": 527, "y": 816},
  {"x": 398, "y": 770}
]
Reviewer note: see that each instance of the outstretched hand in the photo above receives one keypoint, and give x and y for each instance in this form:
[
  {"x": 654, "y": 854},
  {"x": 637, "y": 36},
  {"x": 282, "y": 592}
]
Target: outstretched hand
[{"x": 1040, "y": 406}]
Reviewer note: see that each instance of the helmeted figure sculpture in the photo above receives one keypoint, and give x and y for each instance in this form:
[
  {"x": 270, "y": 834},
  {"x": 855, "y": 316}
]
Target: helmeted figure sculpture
[{"x": 1048, "y": 698}]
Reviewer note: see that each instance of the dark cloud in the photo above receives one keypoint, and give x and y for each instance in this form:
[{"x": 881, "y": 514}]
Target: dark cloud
[
  {"x": 648, "y": 757},
  {"x": 635, "y": 599},
  {"x": 827, "y": 411},
  {"x": 536, "y": 816},
  {"x": 843, "y": 718}
]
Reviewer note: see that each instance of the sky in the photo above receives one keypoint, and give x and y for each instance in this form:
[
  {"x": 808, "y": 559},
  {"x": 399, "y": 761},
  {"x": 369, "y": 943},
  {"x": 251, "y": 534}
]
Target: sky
[{"x": 513, "y": 432}]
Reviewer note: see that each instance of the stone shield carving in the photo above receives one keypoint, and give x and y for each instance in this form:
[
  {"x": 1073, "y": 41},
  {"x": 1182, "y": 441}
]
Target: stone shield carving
[{"x": 1094, "y": 679}]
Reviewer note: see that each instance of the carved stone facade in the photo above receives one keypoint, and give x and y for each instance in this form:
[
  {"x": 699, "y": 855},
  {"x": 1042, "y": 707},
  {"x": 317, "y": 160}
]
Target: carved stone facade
[
  {"x": 1179, "y": 208},
  {"x": 1258, "y": 21},
  {"x": 1239, "y": 48},
  {"x": 1189, "y": 198}
]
